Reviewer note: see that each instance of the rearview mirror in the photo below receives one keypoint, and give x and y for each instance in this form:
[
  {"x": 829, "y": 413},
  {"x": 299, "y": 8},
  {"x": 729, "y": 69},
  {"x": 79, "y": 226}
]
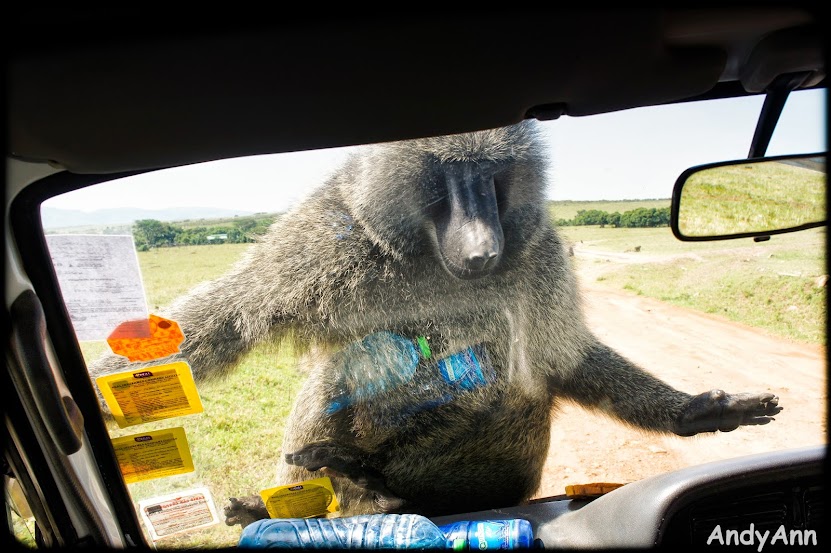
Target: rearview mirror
[{"x": 749, "y": 197}]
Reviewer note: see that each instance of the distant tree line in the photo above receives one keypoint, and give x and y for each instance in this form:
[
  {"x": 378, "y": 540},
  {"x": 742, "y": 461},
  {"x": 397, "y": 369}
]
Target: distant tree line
[
  {"x": 640, "y": 217},
  {"x": 150, "y": 233}
]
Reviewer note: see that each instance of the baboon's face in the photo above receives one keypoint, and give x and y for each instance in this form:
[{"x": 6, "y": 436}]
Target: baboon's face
[
  {"x": 463, "y": 198},
  {"x": 465, "y": 217}
]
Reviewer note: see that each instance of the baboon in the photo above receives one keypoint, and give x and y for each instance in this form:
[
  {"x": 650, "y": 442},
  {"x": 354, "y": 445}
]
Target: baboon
[{"x": 442, "y": 322}]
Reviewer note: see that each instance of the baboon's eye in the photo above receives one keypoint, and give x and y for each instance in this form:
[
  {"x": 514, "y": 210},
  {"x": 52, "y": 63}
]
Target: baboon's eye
[
  {"x": 435, "y": 192},
  {"x": 500, "y": 184}
]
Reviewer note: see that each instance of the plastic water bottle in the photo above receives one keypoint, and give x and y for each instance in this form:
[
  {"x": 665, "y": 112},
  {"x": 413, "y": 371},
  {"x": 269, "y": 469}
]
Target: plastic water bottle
[
  {"x": 386, "y": 531},
  {"x": 477, "y": 535},
  {"x": 375, "y": 365},
  {"x": 384, "y": 362}
]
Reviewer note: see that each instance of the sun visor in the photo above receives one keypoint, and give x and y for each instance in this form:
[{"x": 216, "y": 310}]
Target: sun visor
[
  {"x": 669, "y": 75},
  {"x": 796, "y": 50}
]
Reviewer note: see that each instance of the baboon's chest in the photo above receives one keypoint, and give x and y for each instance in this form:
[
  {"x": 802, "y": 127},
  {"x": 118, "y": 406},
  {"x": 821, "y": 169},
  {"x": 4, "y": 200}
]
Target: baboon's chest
[
  {"x": 417, "y": 300},
  {"x": 426, "y": 348}
]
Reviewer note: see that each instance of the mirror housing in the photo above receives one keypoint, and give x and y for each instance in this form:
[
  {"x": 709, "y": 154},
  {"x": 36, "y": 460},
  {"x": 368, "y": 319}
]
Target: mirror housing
[{"x": 749, "y": 198}]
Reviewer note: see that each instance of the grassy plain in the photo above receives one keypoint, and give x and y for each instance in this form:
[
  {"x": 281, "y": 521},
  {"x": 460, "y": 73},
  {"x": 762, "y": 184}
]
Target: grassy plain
[{"x": 775, "y": 285}]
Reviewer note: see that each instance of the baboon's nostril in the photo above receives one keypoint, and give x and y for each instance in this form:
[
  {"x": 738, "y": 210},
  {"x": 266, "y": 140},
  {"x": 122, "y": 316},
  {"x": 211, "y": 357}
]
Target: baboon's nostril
[{"x": 480, "y": 261}]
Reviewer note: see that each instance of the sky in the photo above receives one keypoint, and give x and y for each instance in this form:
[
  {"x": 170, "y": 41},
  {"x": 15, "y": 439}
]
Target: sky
[{"x": 629, "y": 154}]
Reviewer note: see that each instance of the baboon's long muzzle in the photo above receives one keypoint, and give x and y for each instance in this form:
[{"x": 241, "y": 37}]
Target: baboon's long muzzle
[{"x": 470, "y": 234}]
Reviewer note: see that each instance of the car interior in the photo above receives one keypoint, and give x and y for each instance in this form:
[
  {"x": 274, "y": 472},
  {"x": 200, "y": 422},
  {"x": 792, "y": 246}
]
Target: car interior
[{"x": 98, "y": 96}]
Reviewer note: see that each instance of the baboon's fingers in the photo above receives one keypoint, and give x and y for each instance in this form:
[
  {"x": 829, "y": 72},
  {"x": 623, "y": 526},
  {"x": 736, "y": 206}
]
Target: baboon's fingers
[
  {"x": 341, "y": 462},
  {"x": 752, "y": 405},
  {"x": 332, "y": 473},
  {"x": 232, "y": 512},
  {"x": 771, "y": 406},
  {"x": 717, "y": 410},
  {"x": 334, "y": 457},
  {"x": 757, "y": 421},
  {"x": 245, "y": 511}
]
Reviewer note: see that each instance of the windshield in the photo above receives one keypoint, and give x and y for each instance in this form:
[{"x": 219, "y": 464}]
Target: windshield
[{"x": 418, "y": 343}]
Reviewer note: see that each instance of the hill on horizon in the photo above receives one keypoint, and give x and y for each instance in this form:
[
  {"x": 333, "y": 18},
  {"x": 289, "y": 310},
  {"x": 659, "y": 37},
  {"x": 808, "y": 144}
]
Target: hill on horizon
[{"x": 53, "y": 217}]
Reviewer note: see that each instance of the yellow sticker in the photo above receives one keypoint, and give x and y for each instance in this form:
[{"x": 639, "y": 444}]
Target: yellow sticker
[
  {"x": 153, "y": 454},
  {"x": 146, "y": 339},
  {"x": 310, "y": 498},
  {"x": 150, "y": 394}
]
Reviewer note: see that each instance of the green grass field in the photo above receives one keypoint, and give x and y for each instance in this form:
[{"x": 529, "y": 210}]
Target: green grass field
[
  {"x": 169, "y": 272},
  {"x": 236, "y": 440},
  {"x": 769, "y": 285}
]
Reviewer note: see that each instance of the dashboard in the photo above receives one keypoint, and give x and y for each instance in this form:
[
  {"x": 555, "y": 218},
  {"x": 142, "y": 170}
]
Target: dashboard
[{"x": 781, "y": 492}]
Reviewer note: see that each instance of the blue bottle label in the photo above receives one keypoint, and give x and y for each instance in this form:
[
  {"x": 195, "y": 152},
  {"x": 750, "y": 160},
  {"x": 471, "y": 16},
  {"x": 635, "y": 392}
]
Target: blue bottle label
[
  {"x": 468, "y": 369},
  {"x": 456, "y": 535},
  {"x": 488, "y": 534}
]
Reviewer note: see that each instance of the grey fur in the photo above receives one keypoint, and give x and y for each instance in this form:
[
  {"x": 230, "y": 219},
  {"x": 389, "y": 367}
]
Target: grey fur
[{"x": 362, "y": 256}]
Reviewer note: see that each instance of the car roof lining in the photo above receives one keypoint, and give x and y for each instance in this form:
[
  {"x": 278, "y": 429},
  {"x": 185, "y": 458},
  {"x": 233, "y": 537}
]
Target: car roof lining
[{"x": 91, "y": 99}]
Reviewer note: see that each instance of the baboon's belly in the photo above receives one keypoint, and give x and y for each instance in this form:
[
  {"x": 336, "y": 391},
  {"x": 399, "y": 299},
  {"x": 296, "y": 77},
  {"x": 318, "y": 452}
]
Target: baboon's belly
[{"x": 495, "y": 460}]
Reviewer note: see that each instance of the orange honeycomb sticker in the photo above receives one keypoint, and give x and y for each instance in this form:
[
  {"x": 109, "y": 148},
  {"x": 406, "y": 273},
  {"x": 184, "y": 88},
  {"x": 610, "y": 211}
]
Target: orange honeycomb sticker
[{"x": 146, "y": 339}]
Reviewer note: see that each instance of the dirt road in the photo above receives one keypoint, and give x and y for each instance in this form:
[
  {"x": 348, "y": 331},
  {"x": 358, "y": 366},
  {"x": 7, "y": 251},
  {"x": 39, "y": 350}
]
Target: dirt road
[{"x": 695, "y": 353}]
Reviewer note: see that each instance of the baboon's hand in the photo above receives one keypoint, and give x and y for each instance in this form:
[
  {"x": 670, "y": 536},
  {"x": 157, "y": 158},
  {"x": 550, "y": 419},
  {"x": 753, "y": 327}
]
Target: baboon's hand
[
  {"x": 245, "y": 511},
  {"x": 718, "y": 410},
  {"x": 337, "y": 460}
]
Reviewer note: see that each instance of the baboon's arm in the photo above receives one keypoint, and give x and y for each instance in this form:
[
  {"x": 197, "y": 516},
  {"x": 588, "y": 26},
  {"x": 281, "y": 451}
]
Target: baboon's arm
[
  {"x": 607, "y": 381},
  {"x": 286, "y": 276}
]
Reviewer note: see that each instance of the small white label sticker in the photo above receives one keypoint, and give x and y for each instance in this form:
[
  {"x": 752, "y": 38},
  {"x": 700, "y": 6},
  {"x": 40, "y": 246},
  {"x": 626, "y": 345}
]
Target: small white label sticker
[{"x": 171, "y": 514}]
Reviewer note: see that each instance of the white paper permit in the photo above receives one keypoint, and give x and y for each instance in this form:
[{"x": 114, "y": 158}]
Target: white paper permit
[
  {"x": 100, "y": 281},
  {"x": 179, "y": 512}
]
